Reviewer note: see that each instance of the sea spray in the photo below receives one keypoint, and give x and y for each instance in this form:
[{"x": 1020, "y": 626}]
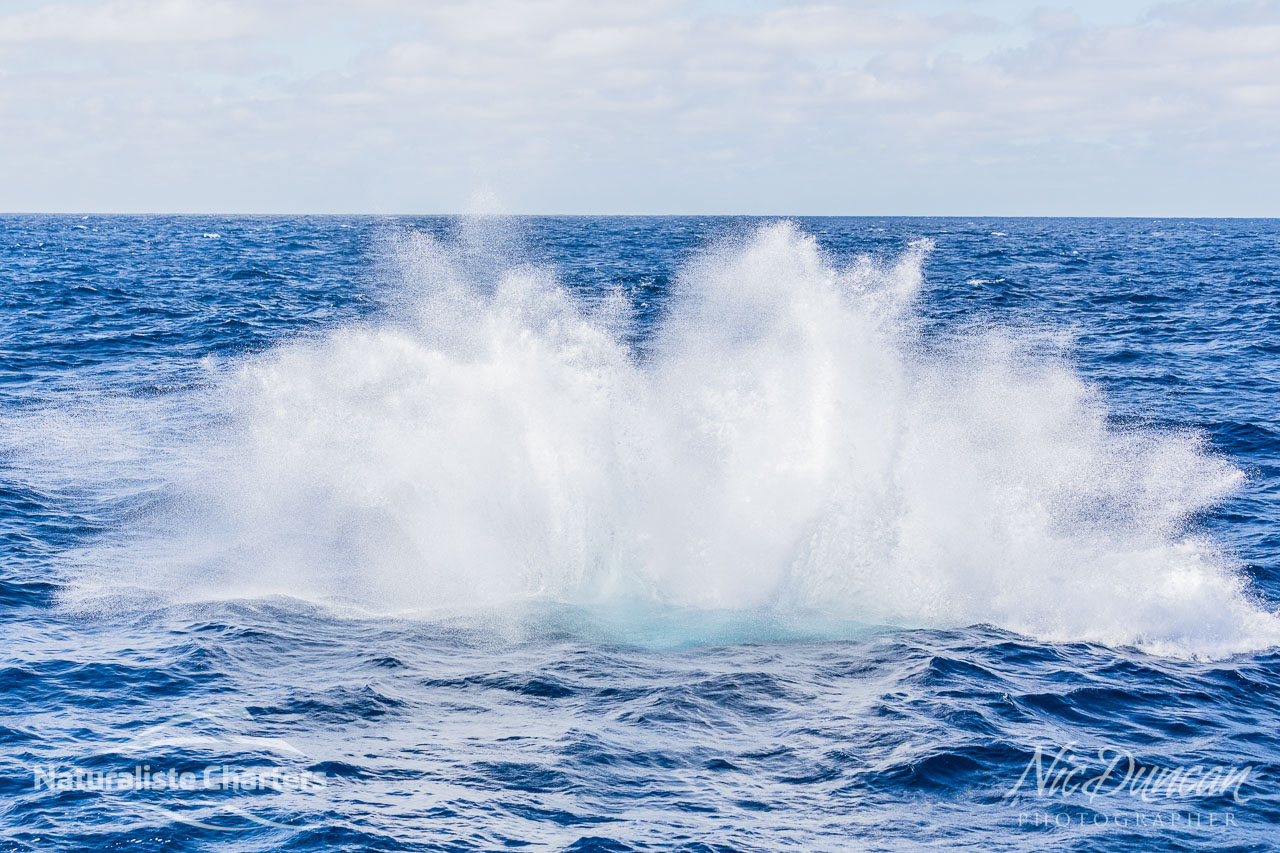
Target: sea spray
[{"x": 786, "y": 444}]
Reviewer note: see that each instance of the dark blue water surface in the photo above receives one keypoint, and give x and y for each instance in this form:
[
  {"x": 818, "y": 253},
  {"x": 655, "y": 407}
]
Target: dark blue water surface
[{"x": 670, "y": 729}]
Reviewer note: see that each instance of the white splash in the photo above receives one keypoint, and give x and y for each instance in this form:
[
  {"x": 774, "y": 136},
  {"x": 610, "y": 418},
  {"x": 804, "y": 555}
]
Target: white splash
[{"x": 788, "y": 445}]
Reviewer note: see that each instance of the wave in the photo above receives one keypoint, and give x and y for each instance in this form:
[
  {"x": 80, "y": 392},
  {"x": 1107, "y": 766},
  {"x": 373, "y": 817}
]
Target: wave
[{"x": 787, "y": 444}]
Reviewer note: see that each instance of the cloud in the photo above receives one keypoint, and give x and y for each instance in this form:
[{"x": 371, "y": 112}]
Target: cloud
[
  {"x": 858, "y": 106},
  {"x": 129, "y": 22}
]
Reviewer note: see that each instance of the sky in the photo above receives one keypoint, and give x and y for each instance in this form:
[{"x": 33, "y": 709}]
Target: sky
[{"x": 925, "y": 107}]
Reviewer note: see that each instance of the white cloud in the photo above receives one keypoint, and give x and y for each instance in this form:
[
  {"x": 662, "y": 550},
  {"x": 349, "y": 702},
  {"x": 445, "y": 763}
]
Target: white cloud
[
  {"x": 578, "y": 105},
  {"x": 129, "y": 22}
]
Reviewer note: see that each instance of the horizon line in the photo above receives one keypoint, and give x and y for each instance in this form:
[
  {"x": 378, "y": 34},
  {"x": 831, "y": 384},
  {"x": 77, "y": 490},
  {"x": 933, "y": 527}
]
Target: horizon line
[{"x": 463, "y": 215}]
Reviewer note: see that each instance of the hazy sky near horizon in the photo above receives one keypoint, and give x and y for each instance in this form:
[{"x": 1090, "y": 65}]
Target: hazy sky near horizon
[{"x": 965, "y": 107}]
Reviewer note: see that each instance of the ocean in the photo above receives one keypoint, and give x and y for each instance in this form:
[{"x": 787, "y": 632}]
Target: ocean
[{"x": 639, "y": 534}]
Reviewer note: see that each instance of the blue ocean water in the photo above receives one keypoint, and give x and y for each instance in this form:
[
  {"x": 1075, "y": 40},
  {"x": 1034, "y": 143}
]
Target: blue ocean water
[{"x": 639, "y": 534}]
